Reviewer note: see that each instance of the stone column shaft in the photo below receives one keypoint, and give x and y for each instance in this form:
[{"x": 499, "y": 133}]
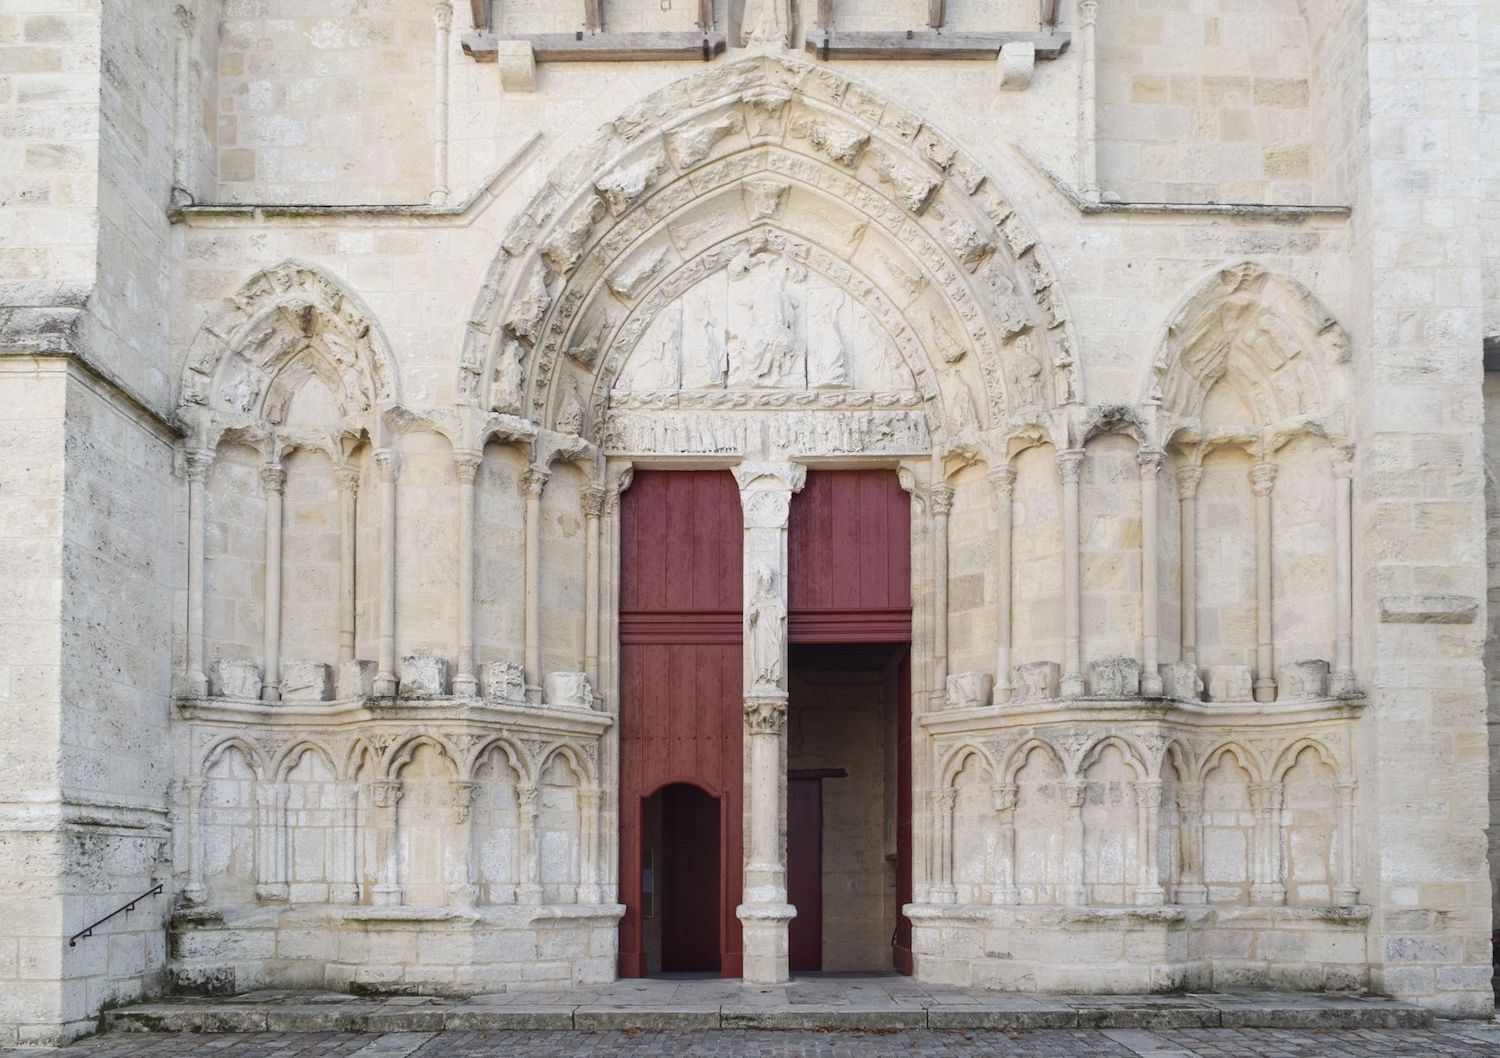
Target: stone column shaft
[
  {"x": 1342, "y": 681},
  {"x": 348, "y": 484},
  {"x": 1088, "y": 155},
  {"x": 385, "y": 796},
  {"x": 271, "y": 840},
  {"x": 345, "y": 886},
  {"x": 944, "y": 802},
  {"x": 192, "y": 791},
  {"x": 593, "y": 510},
  {"x": 385, "y": 675},
  {"x": 1266, "y": 886},
  {"x": 1070, "y": 465},
  {"x": 1004, "y": 480},
  {"x": 1148, "y": 890},
  {"x": 532, "y": 484},
  {"x": 940, "y": 499},
  {"x": 589, "y": 832},
  {"x": 466, "y": 466},
  {"x": 1150, "y": 465},
  {"x": 1074, "y": 893},
  {"x": 1187, "y": 495},
  {"x": 442, "y": 23},
  {"x": 273, "y": 477},
  {"x": 530, "y": 890},
  {"x": 765, "y": 499},
  {"x": 1346, "y": 893},
  {"x": 1190, "y": 888},
  {"x": 1262, "y": 478},
  {"x": 1006, "y": 891},
  {"x": 199, "y": 462}
]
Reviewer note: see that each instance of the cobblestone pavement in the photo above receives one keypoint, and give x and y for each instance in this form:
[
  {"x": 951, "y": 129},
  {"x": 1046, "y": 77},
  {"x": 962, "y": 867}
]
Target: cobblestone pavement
[{"x": 1448, "y": 1040}]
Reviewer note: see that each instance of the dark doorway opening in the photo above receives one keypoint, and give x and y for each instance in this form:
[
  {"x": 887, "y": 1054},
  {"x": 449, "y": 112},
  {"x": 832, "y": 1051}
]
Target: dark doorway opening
[
  {"x": 848, "y": 794},
  {"x": 682, "y": 859}
]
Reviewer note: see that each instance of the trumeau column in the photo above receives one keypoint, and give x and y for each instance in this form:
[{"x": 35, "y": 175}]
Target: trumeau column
[
  {"x": 389, "y": 463},
  {"x": 1342, "y": 680},
  {"x": 1004, "y": 479},
  {"x": 1150, "y": 462},
  {"x": 1188, "y": 479},
  {"x": 532, "y": 484},
  {"x": 466, "y": 467},
  {"x": 348, "y": 484},
  {"x": 1070, "y": 465},
  {"x": 273, "y": 478},
  {"x": 593, "y": 510},
  {"x": 199, "y": 462},
  {"x": 765, "y": 499},
  {"x": 1262, "y": 478},
  {"x": 940, "y": 502}
]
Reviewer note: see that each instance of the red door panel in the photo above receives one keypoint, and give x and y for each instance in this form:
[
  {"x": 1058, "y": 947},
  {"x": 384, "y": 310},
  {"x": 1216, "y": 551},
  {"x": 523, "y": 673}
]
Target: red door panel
[
  {"x": 681, "y": 540},
  {"x": 804, "y": 872},
  {"x": 690, "y": 891}
]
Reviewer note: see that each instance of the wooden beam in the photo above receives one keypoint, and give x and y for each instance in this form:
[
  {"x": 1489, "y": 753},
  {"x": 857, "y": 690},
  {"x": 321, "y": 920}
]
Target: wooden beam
[
  {"x": 935, "y": 13},
  {"x": 480, "y": 10},
  {"x": 825, "y": 14},
  {"x": 593, "y": 15},
  {"x": 929, "y": 44},
  {"x": 602, "y": 47},
  {"x": 705, "y": 14}
]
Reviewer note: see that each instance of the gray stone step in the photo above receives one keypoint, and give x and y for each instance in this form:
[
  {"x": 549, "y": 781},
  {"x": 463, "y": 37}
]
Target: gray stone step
[{"x": 712, "y": 1005}]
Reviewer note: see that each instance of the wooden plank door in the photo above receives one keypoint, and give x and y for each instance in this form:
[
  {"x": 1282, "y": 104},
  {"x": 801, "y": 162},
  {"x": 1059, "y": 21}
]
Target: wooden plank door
[{"x": 804, "y": 871}]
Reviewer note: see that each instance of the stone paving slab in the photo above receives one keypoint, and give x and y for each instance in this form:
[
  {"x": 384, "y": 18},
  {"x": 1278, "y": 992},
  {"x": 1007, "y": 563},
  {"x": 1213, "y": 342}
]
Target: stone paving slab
[
  {"x": 818, "y": 1003},
  {"x": 1444, "y": 1040}
]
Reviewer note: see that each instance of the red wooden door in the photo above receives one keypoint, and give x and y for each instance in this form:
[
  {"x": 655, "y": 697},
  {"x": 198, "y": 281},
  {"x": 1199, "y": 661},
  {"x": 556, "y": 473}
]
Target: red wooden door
[
  {"x": 804, "y": 872},
  {"x": 901, "y": 943},
  {"x": 690, "y": 890},
  {"x": 681, "y": 542}
]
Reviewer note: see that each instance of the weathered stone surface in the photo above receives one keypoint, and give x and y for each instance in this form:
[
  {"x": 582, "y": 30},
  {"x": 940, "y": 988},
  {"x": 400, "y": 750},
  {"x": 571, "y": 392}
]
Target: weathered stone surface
[
  {"x": 306, "y": 681},
  {"x": 969, "y": 690},
  {"x": 424, "y": 676},
  {"x": 1229, "y": 683},
  {"x": 1037, "y": 679},
  {"x": 356, "y": 679},
  {"x": 1116, "y": 678},
  {"x": 1302, "y": 679},
  {"x": 236, "y": 678},
  {"x": 1180, "y": 679},
  {"x": 504, "y": 681},
  {"x": 569, "y": 689}
]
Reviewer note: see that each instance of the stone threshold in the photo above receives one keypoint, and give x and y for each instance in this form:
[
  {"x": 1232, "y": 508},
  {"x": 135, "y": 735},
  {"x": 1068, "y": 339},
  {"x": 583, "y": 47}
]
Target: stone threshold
[{"x": 807, "y": 1004}]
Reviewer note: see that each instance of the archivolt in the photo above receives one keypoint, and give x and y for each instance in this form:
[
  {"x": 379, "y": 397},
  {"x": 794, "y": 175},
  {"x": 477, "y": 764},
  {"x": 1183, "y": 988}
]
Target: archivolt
[{"x": 741, "y": 152}]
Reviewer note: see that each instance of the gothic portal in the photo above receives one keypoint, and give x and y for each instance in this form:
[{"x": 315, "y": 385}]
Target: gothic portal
[{"x": 520, "y": 496}]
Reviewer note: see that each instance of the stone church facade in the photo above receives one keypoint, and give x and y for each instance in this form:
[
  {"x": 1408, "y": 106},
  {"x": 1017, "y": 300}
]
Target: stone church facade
[{"x": 511, "y": 495}]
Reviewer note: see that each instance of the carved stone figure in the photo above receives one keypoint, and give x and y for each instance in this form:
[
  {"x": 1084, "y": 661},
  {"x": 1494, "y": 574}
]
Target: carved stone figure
[
  {"x": 569, "y": 689},
  {"x": 827, "y": 350},
  {"x": 237, "y": 678},
  {"x": 1037, "y": 679},
  {"x": 1116, "y": 677},
  {"x": 766, "y": 22},
  {"x": 1302, "y": 679},
  {"x": 767, "y": 619},
  {"x": 1229, "y": 683},
  {"x": 504, "y": 681},
  {"x": 424, "y": 676},
  {"x": 969, "y": 690},
  {"x": 773, "y": 354},
  {"x": 509, "y": 379},
  {"x": 1180, "y": 679}
]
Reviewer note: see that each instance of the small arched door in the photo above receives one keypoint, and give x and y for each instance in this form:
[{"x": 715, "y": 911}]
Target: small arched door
[{"x": 682, "y": 848}]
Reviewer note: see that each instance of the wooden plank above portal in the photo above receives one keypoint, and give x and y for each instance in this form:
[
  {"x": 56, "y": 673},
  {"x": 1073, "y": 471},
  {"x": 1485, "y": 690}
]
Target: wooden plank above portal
[
  {"x": 481, "y": 45},
  {"x": 930, "y": 44}
]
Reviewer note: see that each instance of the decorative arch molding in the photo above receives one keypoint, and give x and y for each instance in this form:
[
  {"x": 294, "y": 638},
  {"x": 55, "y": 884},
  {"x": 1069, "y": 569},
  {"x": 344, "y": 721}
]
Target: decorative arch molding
[
  {"x": 773, "y": 155},
  {"x": 1266, "y": 336},
  {"x": 285, "y": 326}
]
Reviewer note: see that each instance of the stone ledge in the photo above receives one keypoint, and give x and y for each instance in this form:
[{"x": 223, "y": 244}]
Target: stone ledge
[{"x": 712, "y": 1004}]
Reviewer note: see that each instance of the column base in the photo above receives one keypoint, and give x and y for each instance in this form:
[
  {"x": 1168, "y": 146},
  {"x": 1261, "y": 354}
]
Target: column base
[
  {"x": 386, "y": 895},
  {"x": 1190, "y": 894},
  {"x": 1072, "y": 687},
  {"x": 273, "y": 892},
  {"x": 384, "y": 685},
  {"x": 1074, "y": 896},
  {"x": 1150, "y": 896},
  {"x": 192, "y": 685},
  {"x": 767, "y": 959},
  {"x": 195, "y": 895},
  {"x": 1346, "y": 895},
  {"x": 344, "y": 894},
  {"x": 1005, "y": 894},
  {"x": 1269, "y": 894},
  {"x": 1341, "y": 685},
  {"x": 530, "y": 894},
  {"x": 1151, "y": 684},
  {"x": 465, "y": 686},
  {"x": 1265, "y": 690},
  {"x": 271, "y": 692},
  {"x": 942, "y": 894}
]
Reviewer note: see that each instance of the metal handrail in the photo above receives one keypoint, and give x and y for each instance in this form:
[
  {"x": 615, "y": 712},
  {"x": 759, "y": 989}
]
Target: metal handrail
[{"x": 88, "y": 932}]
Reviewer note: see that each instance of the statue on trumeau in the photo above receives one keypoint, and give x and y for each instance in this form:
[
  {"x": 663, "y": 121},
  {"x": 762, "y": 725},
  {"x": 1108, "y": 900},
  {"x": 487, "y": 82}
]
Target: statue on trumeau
[{"x": 767, "y": 618}]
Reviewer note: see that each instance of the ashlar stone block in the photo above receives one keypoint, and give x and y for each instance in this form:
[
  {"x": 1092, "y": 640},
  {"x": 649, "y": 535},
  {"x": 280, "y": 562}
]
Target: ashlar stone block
[
  {"x": 357, "y": 679},
  {"x": 1037, "y": 679},
  {"x": 1180, "y": 679},
  {"x": 306, "y": 681},
  {"x": 504, "y": 681},
  {"x": 1230, "y": 683},
  {"x": 1116, "y": 677},
  {"x": 424, "y": 676},
  {"x": 1015, "y": 66},
  {"x": 569, "y": 689},
  {"x": 1302, "y": 679},
  {"x": 236, "y": 678},
  {"x": 969, "y": 690}
]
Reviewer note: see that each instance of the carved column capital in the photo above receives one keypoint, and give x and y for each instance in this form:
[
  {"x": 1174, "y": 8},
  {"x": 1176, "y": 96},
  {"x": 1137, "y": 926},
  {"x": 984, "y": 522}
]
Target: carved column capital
[
  {"x": 941, "y": 495},
  {"x": 1189, "y": 798},
  {"x": 1150, "y": 461},
  {"x": 946, "y": 798},
  {"x": 526, "y": 794},
  {"x": 1262, "y": 478},
  {"x": 1003, "y": 477},
  {"x": 389, "y": 462},
  {"x": 273, "y": 478},
  {"x": 1004, "y": 795},
  {"x": 1265, "y": 796},
  {"x": 1148, "y": 793},
  {"x": 186, "y": 16},
  {"x": 1343, "y": 461},
  {"x": 347, "y": 479},
  {"x": 386, "y": 793},
  {"x": 593, "y": 499},
  {"x": 765, "y": 714},
  {"x": 1088, "y": 12},
  {"x": 1070, "y": 465},
  {"x": 1188, "y": 480},
  {"x": 1074, "y": 791},
  {"x": 534, "y": 479},
  {"x": 442, "y": 14},
  {"x": 199, "y": 462},
  {"x": 1347, "y": 788},
  {"x": 766, "y": 492},
  {"x": 466, "y": 466},
  {"x": 463, "y": 800}
]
